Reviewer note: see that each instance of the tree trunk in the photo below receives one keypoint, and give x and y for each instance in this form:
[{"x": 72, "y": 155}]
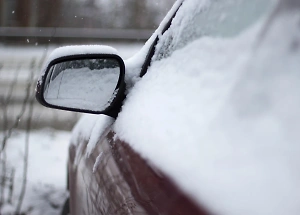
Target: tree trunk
[{"x": 23, "y": 13}]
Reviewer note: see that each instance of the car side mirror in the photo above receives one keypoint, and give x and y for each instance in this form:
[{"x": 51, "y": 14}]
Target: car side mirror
[{"x": 89, "y": 83}]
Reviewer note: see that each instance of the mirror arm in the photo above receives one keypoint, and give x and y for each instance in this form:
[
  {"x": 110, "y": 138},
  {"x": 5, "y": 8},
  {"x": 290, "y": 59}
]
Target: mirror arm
[
  {"x": 116, "y": 107},
  {"x": 39, "y": 94}
]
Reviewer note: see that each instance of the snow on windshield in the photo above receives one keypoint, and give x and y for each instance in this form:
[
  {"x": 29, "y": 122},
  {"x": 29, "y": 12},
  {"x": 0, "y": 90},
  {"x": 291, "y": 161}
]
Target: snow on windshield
[{"x": 224, "y": 125}]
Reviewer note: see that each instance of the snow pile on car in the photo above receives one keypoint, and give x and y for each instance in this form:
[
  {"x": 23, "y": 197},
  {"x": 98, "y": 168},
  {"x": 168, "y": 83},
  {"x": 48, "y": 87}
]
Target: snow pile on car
[
  {"x": 75, "y": 50},
  {"x": 88, "y": 128},
  {"x": 221, "y": 118}
]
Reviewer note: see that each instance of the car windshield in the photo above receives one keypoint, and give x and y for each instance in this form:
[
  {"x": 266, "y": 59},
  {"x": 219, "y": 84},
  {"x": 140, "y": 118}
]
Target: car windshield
[{"x": 218, "y": 19}]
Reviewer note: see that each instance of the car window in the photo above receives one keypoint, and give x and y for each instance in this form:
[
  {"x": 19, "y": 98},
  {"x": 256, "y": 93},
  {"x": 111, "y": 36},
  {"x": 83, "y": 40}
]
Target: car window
[{"x": 212, "y": 18}]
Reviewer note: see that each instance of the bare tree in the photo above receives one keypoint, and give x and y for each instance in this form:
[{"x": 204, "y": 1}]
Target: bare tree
[
  {"x": 49, "y": 13},
  {"x": 29, "y": 93},
  {"x": 26, "y": 111},
  {"x": 23, "y": 13},
  {"x": 7, "y": 174}
]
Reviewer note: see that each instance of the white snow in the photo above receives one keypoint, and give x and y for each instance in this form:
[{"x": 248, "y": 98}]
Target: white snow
[
  {"x": 47, "y": 166},
  {"x": 86, "y": 128},
  {"x": 101, "y": 124},
  {"x": 89, "y": 128},
  {"x": 80, "y": 49},
  {"x": 98, "y": 161},
  {"x": 76, "y": 50},
  {"x": 83, "y": 129},
  {"x": 135, "y": 63},
  {"x": 225, "y": 125}
]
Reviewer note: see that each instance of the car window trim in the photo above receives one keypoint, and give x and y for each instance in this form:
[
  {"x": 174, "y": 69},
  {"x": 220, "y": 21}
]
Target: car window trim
[{"x": 151, "y": 51}]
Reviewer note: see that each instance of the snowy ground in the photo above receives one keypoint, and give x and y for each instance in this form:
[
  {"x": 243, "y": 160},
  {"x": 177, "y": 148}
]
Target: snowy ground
[{"x": 46, "y": 186}]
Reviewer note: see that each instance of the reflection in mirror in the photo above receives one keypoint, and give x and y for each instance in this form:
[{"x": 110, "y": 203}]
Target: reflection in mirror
[{"x": 86, "y": 84}]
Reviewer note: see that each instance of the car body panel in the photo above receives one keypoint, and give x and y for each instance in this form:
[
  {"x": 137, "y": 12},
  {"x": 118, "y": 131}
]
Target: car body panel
[{"x": 114, "y": 179}]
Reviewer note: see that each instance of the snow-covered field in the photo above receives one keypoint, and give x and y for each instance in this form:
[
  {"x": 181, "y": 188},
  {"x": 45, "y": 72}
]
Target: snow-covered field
[{"x": 46, "y": 184}]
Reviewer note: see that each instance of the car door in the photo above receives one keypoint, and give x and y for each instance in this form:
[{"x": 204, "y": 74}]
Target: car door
[{"x": 113, "y": 178}]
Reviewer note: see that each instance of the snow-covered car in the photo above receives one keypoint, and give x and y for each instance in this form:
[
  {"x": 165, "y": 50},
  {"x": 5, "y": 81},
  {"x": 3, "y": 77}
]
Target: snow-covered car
[{"x": 205, "y": 119}]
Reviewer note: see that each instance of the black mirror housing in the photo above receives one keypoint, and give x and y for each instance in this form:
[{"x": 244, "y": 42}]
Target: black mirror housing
[{"x": 112, "y": 104}]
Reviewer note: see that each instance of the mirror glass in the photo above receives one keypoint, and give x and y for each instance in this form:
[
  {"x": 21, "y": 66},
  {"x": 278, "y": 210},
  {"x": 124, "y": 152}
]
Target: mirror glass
[{"x": 86, "y": 84}]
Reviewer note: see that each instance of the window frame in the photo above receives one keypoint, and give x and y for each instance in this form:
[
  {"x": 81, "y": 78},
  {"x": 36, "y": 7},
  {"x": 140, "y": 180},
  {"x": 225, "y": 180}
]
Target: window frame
[{"x": 152, "y": 48}]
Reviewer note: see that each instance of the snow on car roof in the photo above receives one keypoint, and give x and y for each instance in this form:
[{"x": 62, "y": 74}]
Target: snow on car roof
[{"x": 221, "y": 118}]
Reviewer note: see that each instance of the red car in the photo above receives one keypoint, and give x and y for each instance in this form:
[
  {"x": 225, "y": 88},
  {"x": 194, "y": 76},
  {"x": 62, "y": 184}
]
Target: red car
[{"x": 203, "y": 120}]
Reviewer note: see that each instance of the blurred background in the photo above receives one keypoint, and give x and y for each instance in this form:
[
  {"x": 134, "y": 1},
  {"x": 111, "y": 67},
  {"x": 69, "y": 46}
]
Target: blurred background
[
  {"x": 31, "y": 29},
  {"x": 34, "y": 139}
]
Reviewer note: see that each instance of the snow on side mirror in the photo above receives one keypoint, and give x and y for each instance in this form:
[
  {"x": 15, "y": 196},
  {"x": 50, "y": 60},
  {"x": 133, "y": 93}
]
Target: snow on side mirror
[{"x": 83, "y": 82}]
